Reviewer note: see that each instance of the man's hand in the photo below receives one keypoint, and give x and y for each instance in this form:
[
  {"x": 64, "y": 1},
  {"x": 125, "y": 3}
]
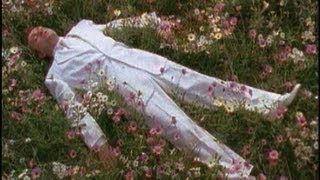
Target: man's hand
[{"x": 105, "y": 154}]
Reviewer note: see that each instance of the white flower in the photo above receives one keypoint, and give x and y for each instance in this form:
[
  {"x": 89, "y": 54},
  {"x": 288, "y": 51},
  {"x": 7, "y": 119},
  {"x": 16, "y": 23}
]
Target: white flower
[
  {"x": 113, "y": 103},
  {"x": 100, "y": 72},
  {"x": 23, "y": 64},
  {"x": 269, "y": 39},
  {"x": 94, "y": 84},
  {"x": 275, "y": 33},
  {"x": 316, "y": 145},
  {"x": 14, "y": 50},
  {"x": 59, "y": 169},
  {"x": 26, "y": 178},
  {"x": 216, "y": 29},
  {"x": 110, "y": 87},
  {"x": 89, "y": 94},
  {"x": 191, "y": 37},
  {"x": 196, "y": 11},
  {"x": 117, "y": 12},
  {"x": 135, "y": 163},
  {"x": 24, "y": 172},
  {"x": 229, "y": 107},
  {"x": 99, "y": 94},
  {"x": 27, "y": 140},
  {"x": 11, "y": 142},
  {"x": 218, "y": 101},
  {"x": 218, "y": 36},
  {"x": 295, "y": 51},
  {"x": 105, "y": 98},
  {"x": 110, "y": 111},
  {"x": 313, "y": 123}
]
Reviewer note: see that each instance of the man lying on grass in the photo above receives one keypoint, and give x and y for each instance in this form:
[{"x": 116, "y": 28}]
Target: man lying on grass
[{"x": 149, "y": 77}]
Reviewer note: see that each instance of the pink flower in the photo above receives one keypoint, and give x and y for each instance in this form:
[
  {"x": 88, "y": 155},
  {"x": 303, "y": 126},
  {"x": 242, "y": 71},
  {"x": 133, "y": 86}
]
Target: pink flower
[
  {"x": 150, "y": 140},
  {"x": 184, "y": 71},
  {"x": 132, "y": 128},
  {"x": 148, "y": 173},
  {"x": 262, "y": 43},
  {"x": 211, "y": 89},
  {"x": 273, "y": 157},
  {"x": 129, "y": 175},
  {"x": 218, "y": 7},
  {"x": 35, "y": 173},
  {"x": 144, "y": 157},
  {"x": 267, "y": 68},
  {"x": 70, "y": 135},
  {"x": 31, "y": 164},
  {"x": 173, "y": 120},
  {"x": 72, "y": 154},
  {"x": 96, "y": 149},
  {"x": 304, "y": 132},
  {"x": 279, "y": 139},
  {"x": 245, "y": 150},
  {"x": 161, "y": 70},
  {"x": 164, "y": 30},
  {"x": 282, "y": 56},
  {"x": 162, "y": 142},
  {"x": 115, "y": 151},
  {"x": 150, "y": 1},
  {"x": 288, "y": 85},
  {"x": 307, "y": 93},
  {"x": 311, "y": 49},
  {"x": 243, "y": 88},
  {"x": 13, "y": 83},
  {"x": 155, "y": 131},
  {"x": 88, "y": 68},
  {"x": 157, "y": 150},
  {"x": 176, "y": 137},
  {"x": 225, "y": 24},
  {"x": 283, "y": 178},
  {"x": 132, "y": 97},
  {"x": 37, "y": 95},
  {"x": 121, "y": 112},
  {"x": 280, "y": 111},
  {"x": 233, "y": 21},
  {"x": 16, "y": 116},
  {"x": 253, "y": 34},
  {"x": 236, "y": 166},
  {"x": 120, "y": 142},
  {"x": 262, "y": 177},
  {"x": 116, "y": 118},
  {"x": 82, "y": 171},
  {"x": 262, "y": 75},
  {"x": 160, "y": 169},
  {"x": 300, "y": 119},
  {"x": 64, "y": 105}
]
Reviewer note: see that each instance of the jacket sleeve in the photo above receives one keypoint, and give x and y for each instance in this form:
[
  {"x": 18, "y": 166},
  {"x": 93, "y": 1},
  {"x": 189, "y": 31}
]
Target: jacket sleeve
[
  {"x": 89, "y": 129},
  {"x": 144, "y": 20}
]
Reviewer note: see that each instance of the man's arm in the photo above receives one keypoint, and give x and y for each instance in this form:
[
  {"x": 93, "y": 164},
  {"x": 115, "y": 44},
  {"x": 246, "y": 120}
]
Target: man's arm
[{"x": 90, "y": 130}]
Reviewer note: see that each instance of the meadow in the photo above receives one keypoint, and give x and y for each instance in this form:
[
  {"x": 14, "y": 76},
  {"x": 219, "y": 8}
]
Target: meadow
[{"x": 271, "y": 45}]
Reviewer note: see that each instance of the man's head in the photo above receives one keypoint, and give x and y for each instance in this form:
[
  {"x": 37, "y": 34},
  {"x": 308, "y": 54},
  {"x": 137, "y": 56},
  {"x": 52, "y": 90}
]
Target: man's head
[{"x": 42, "y": 40}]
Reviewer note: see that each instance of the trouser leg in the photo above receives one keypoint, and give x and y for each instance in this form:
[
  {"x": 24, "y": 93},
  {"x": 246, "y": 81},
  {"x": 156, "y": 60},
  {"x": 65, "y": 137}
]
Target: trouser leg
[
  {"x": 202, "y": 89},
  {"x": 186, "y": 135}
]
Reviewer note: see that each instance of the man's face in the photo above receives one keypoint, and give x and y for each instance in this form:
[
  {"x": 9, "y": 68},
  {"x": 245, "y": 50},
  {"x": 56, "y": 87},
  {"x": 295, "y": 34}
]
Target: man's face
[{"x": 42, "y": 40}]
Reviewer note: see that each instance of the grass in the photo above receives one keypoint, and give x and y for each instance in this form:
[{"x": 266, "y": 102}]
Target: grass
[{"x": 233, "y": 57}]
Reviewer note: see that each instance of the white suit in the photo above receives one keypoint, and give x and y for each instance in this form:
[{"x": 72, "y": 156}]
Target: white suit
[{"x": 137, "y": 70}]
